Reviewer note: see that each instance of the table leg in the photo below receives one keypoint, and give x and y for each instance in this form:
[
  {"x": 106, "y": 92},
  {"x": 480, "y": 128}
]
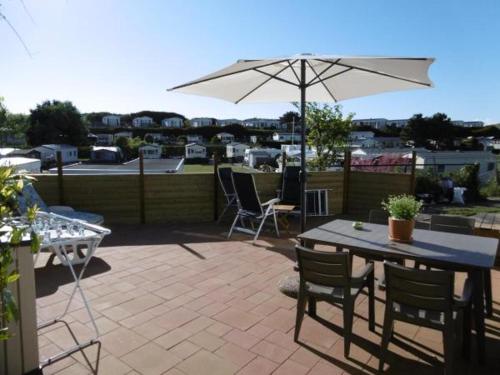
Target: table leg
[
  {"x": 308, "y": 243},
  {"x": 478, "y": 302},
  {"x": 488, "y": 293}
]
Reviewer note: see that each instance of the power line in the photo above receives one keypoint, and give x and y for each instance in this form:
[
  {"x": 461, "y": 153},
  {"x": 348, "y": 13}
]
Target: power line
[{"x": 2, "y": 16}]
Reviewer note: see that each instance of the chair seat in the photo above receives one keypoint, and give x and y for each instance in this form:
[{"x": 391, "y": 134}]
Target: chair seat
[{"x": 81, "y": 215}]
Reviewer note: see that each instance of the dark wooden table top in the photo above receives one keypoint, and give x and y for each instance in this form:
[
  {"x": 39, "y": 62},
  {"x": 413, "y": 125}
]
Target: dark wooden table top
[{"x": 432, "y": 247}]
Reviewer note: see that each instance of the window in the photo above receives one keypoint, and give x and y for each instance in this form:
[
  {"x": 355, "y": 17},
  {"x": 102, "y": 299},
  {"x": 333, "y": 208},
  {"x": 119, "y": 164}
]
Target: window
[
  {"x": 441, "y": 168},
  {"x": 491, "y": 166}
]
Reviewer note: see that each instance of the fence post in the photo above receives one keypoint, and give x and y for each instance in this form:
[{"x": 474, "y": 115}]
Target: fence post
[
  {"x": 347, "y": 176},
  {"x": 413, "y": 172},
  {"x": 142, "y": 203},
  {"x": 216, "y": 187},
  {"x": 60, "y": 183},
  {"x": 283, "y": 161}
]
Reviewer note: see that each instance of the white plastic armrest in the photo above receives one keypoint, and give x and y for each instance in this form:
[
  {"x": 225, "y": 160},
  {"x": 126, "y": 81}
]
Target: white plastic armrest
[
  {"x": 271, "y": 201},
  {"x": 57, "y": 209}
]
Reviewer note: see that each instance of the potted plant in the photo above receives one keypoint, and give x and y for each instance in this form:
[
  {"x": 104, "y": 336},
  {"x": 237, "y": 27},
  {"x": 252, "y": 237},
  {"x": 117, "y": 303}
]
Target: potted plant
[
  {"x": 13, "y": 230},
  {"x": 402, "y": 211}
]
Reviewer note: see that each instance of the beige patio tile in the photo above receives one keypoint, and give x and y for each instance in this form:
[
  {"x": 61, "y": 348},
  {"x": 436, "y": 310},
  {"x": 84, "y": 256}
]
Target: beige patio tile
[
  {"x": 237, "y": 318},
  {"x": 121, "y": 341},
  {"x": 241, "y": 338},
  {"x": 150, "y": 359},
  {"x": 204, "y": 362},
  {"x": 260, "y": 366},
  {"x": 235, "y": 354}
]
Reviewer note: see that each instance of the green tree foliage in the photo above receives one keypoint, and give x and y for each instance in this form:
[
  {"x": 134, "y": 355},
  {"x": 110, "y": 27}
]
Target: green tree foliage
[
  {"x": 56, "y": 122},
  {"x": 10, "y": 186},
  {"x": 328, "y": 132},
  {"x": 435, "y": 132},
  {"x": 12, "y": 126},
  {"x": 130, "y": 146},
  {"x": 289, "y": 118},
  {"x": 215, "y": 140}
]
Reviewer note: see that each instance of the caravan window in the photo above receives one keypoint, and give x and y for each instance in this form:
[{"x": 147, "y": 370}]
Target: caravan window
[
  {"x": 441, "y": 168},
  {"x": 491, "y": 166}
]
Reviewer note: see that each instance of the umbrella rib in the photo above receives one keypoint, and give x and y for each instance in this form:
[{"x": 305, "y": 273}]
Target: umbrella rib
[
  {"x": 293, "y": 70},
  {"x": 385, "y": 74},
  {"x": 260, "y": 84},
  {"x": 275, "y": 76},
  {"x": 224, "y": 75},
  {"x": 332, "y": 64},
  {"x": 320, "y": 80}
]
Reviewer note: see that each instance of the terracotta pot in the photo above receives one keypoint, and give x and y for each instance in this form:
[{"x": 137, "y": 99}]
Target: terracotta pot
[{"x": 401, "y": 230}]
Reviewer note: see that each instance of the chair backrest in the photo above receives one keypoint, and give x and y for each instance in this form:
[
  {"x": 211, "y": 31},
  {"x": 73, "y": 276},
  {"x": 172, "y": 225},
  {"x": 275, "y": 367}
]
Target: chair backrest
[
  {"x": 330, "y": 269},
  {"x": 378, "y": 216},
  {"x": 290, "y": 188},
  {"x": 28, "y": 198},
  {"x": 246, "y": 192},
  {"x": 226, "y": 181},
  {"x": 453, "y": 224},
  {"x": 422, "y": 289}
]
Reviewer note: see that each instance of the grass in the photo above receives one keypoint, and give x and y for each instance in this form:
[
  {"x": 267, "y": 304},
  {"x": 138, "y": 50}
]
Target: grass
[
  {"x": 206, "y": 168},
  {"x": 470, "y": 211}
]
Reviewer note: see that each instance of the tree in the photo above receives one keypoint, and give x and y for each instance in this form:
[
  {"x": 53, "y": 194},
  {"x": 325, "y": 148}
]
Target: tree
[
  {"x": 56, "y": 122},
  {"x": 289, "y": 118},
  {"x": 13, "y": 126},
  {"x": 215, "y": 140},
  {"x": 435, "y": 132},
  {"x": 328, "y": 132}
]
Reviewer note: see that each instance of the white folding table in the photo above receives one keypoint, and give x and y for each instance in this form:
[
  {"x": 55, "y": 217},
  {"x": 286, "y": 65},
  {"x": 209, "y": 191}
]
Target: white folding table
[{"x": 73, "y": 242}]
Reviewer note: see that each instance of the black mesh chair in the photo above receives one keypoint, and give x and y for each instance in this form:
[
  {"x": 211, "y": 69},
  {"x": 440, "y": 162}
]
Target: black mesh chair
[
  {"x": 250, "y": 207},
  {"x": 290, "y": 187},
  {"x": 425, "y": 298},
  {"x": 327, "y": 276},
  {"x": 226, "y": 183}
]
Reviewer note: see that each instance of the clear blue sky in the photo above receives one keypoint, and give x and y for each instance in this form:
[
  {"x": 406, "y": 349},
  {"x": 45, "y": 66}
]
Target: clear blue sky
[{"x": 121, "y": 55}]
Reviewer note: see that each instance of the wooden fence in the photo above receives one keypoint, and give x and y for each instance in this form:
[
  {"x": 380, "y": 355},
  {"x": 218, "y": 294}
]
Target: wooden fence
[{"x": 189, "y": 198}]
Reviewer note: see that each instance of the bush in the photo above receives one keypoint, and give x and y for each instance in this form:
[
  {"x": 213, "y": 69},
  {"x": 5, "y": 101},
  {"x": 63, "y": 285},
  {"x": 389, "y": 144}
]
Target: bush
[
  {"x": 491, "y": 189},
  {"x": 468, "y": 177},
  {"x": 427, "y": 182}
]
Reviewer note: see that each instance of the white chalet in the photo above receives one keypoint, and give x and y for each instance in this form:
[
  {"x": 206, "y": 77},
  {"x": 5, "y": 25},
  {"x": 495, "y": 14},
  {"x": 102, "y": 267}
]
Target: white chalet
[
  {"x": 194, "y": 150},
  {"x": 122, "y": 134},
  {"x": 194, "y": 138},
  {"x": 172, "y": 122},
  {"x": 225, "y": 137},
  {"x": 202, "y": 121},
  {"x": 236, "y": 150},
  {"x": 142, "y": 122},
  {"x": 286, "y": 137},
  {"x": 48, "y": 153},
  {"x": 263, "y": 123},
  {"x": 104, "y": 139},
  {"x": 112, "y": 121},
  {"x": 229, "y": 121},
  {"x": 151, "y": 151}
]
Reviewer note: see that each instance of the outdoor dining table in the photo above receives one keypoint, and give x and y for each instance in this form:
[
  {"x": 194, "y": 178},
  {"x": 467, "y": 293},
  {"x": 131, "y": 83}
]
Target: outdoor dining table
[{"x": 442, "y": 250}]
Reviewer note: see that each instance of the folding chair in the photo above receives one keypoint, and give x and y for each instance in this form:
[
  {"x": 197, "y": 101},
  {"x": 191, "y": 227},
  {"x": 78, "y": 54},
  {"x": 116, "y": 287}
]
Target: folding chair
[
  {"x": 226, "y": 184},
  {"x": 249, "y": 206}
]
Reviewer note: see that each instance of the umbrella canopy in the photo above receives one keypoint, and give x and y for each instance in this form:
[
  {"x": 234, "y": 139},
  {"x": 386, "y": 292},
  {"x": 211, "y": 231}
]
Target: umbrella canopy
[{"x": 321, "y": 78}]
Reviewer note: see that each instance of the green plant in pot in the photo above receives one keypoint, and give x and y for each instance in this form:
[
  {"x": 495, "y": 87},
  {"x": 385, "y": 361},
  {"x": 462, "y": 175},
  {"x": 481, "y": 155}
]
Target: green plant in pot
[
  {"x": 402, "y": 211},
  {"x": 12, "y": 232}
]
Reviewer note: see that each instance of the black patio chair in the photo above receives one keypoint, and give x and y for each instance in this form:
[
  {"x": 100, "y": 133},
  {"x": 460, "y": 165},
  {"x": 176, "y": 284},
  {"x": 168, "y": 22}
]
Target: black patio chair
[
  {"x": 226, "y": 183},
  {"x": 290, "y": 186},
  {"x": 425, "y": 298},
  {"x": 327, "y": 276},
  {"x": 250, "y": 207},
  {"x": 464, "y": 225}
]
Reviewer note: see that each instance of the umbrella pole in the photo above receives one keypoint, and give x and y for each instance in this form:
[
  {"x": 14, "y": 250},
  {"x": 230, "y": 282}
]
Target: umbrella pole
[{"x": 303, "y": 174}]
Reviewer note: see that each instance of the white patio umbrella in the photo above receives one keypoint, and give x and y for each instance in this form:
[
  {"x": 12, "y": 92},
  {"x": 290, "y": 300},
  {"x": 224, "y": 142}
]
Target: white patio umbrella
[{"x": 307, "y": 77}]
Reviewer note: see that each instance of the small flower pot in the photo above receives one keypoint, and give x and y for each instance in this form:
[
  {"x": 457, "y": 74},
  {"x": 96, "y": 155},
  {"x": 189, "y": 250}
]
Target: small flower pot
[{"x": 401, "y": 230}]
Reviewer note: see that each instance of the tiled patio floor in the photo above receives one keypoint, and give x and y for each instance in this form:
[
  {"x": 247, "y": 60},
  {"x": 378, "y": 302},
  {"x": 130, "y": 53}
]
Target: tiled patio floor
[{"x": 183, "y": 300}]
